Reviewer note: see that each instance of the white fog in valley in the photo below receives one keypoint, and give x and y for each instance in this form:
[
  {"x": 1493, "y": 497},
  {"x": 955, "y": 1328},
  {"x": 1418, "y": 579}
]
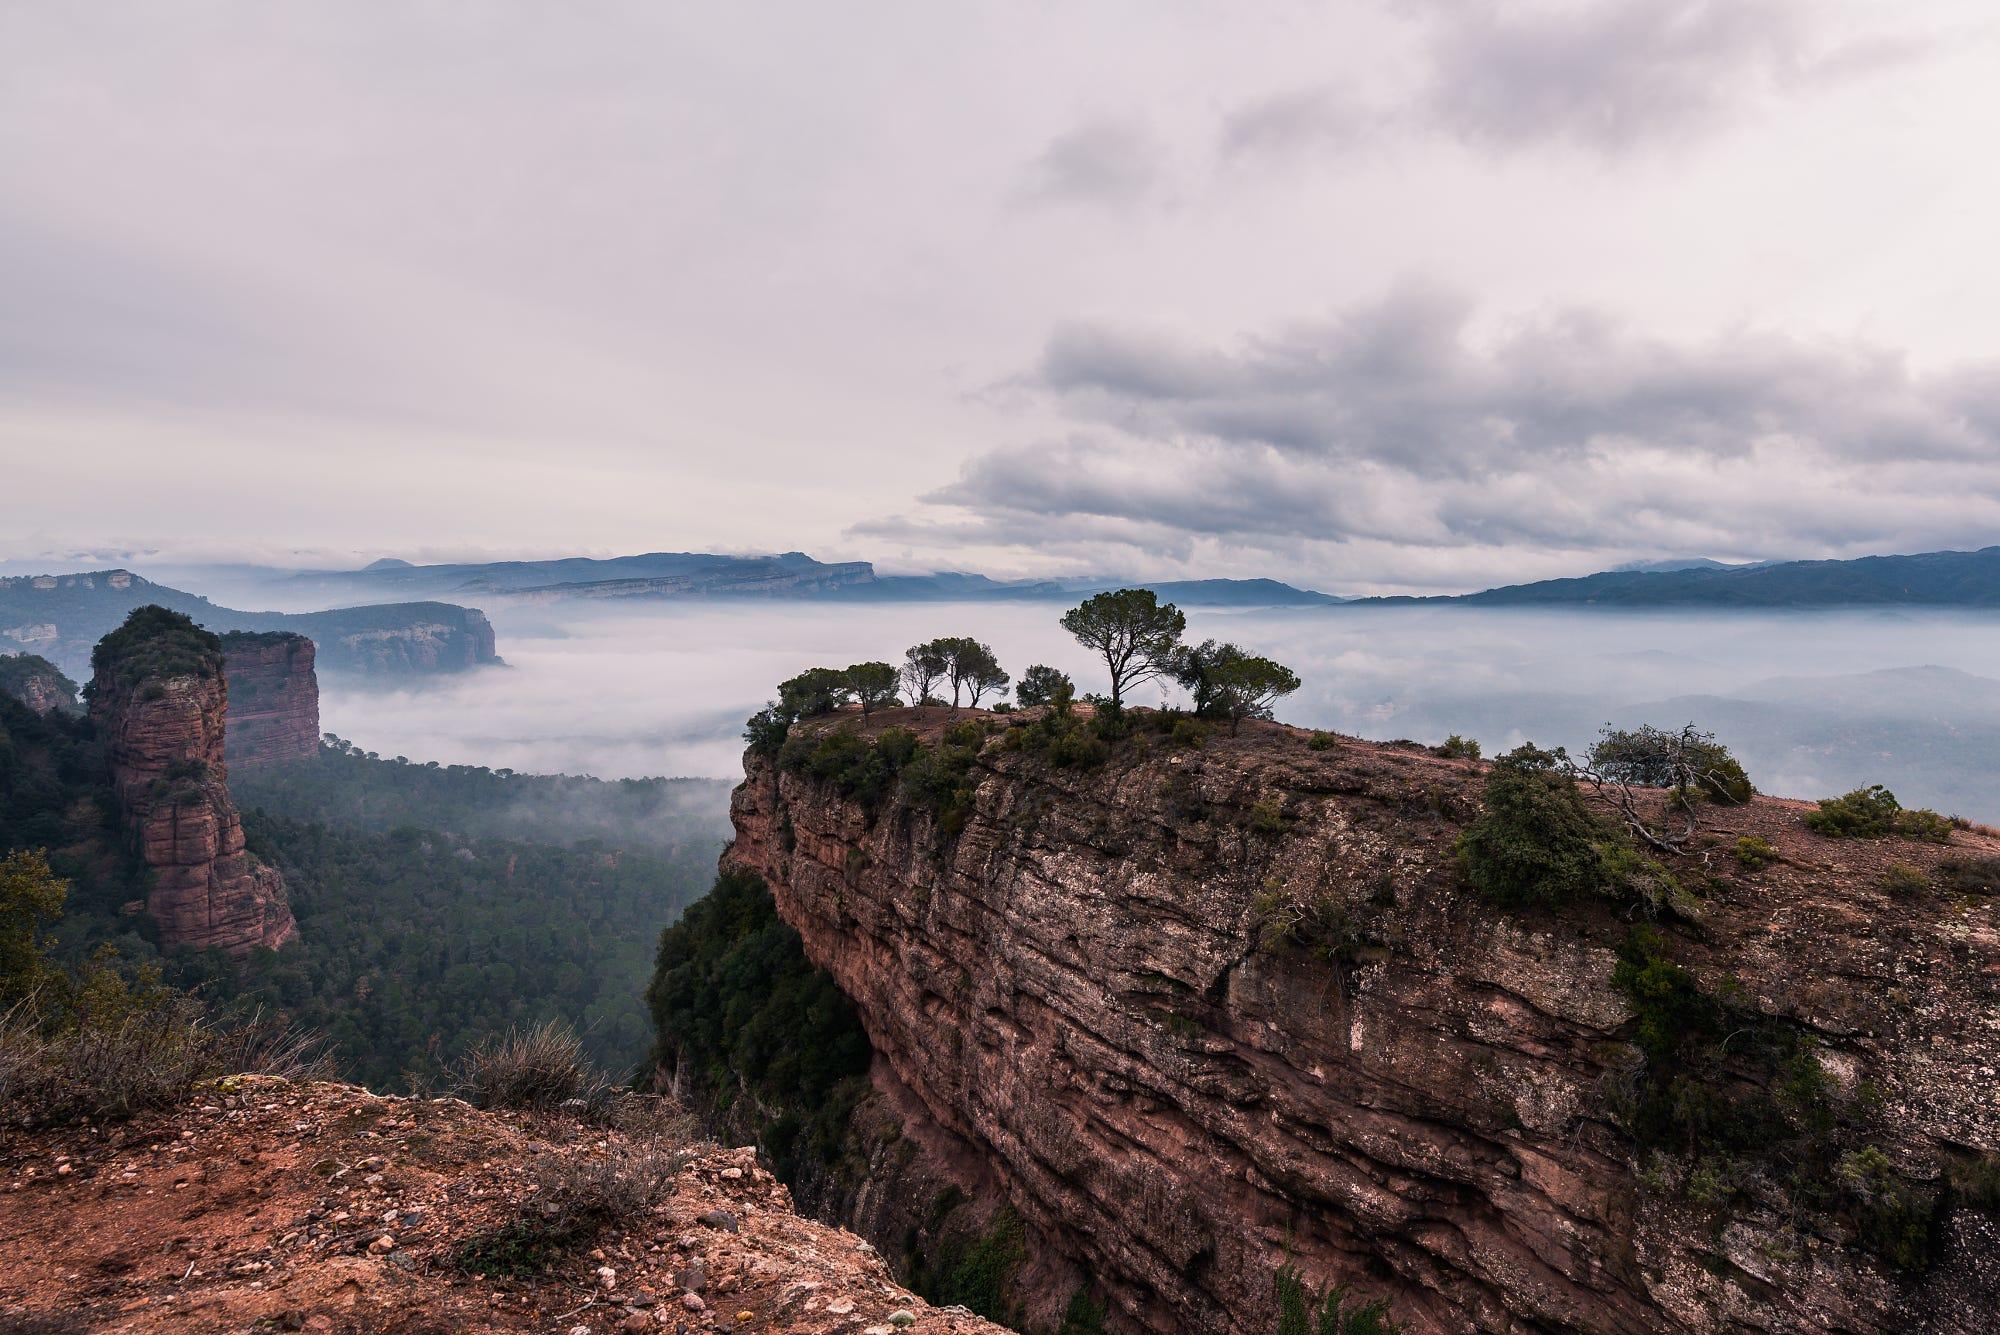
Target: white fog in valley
[{"x": 1814, "y": 703}]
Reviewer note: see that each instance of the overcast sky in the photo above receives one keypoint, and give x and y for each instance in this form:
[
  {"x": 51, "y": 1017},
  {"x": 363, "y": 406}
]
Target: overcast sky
[{"x": 1419, "y": 294}]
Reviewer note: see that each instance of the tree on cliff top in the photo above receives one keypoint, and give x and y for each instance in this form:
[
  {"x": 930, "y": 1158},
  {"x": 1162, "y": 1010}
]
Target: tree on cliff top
[
  {"x": 873, "y": 684},
  {"x": 1228, "y": 683},
  {"x": 972, "y": 667},
  {"x": 924, "y": 666},
  {"x": 1043, "y": 685},
  {"x": 813, "y": 692},
  {"x": 1136, "y": 634},
  {"x": 155, "y": 642}
]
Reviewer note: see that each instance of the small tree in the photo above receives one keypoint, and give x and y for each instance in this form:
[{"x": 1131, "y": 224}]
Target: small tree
[
  {"x": 924, "y": 666},
  {"x": 873, "y": 684},
  {"x": 1690, "y": 764},
  {"x": 815, "y": 691},
  {"x": 1136, "y": 634},
  {"x": 1535, "y": 842},
  {"x": 1228, "y": 683},
  {"x": 1247, "y": 686},
  {"x": 30, "y": 895},
  {"x": 1043, "y": 685},
  {"x": 971, "y": 666}
]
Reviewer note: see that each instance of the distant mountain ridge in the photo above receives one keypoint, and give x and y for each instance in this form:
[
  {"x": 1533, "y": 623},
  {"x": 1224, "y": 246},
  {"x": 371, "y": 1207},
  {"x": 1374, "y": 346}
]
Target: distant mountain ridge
[
  {"x": 62, "y": 616},
  {"x": 1926, "y": 579},
  {"x": 673, "y": 575}
]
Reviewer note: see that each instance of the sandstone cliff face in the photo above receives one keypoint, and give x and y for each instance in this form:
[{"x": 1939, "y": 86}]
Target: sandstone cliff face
[
  {"x": 273, "y": 699},
  {"x": 401, "y": 639},
  {"x": 1076, "y": 1005},
  {"x": 38, "y": 684},
  {"x": 162, "y": 732}
]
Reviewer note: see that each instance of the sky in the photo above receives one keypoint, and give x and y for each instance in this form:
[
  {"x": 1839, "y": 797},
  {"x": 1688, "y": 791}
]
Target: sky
[{"x": 1418, "y": 295}]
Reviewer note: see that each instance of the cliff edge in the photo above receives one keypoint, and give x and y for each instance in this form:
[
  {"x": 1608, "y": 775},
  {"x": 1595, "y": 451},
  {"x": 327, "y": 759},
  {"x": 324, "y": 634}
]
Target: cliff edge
[{"x": 1193, "y": 1005}]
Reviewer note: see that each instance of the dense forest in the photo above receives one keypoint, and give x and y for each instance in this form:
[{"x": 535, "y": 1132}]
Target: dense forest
[
  {"x": 414, "y": 942},
  {"x": 360, "y": 790}
]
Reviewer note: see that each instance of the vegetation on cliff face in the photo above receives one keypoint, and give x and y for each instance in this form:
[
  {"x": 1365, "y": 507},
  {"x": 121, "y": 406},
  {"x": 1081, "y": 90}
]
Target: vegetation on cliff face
[{"x": 753, "y": 1033}]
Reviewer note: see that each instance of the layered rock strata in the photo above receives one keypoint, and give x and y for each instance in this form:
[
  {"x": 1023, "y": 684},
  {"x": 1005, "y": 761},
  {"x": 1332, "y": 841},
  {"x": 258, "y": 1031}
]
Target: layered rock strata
[
  {"x": 273, "y": 699},
  {"x": 1078, "y": 997},
  {"x": 159, "y": 701}
]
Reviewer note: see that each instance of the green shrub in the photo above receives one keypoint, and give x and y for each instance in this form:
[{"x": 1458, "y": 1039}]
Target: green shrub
[
  {"x": 1189, "y": 732},
  {"x": 1752, "y": 853},
  {"x": 977, "y": 1272},
  {"x": 1322, "y": 741},
  {"x": 1690, "y": 762},
  {"x": 1456, "y": 747},
  {"x": 1903, "y": 881},
  {"x": 1267, "y": 817},
  {"x": 1083, "y": 1316},
  {"x": 1535, "y": 842},
  {"x": 1304, "y": 1310},
  {"x": 1874, "y": 813}
]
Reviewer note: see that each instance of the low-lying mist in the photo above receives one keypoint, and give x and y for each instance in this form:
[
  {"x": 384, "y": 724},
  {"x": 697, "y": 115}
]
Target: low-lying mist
[{"x": 1814, "y": 703}]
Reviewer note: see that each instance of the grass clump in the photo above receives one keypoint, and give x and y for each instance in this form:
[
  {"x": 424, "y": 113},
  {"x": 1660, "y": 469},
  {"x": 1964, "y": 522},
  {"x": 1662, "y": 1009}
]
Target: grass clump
[
  {"x": 101, "y": 1042},
  {"x": 573, "y": 1199},
  {"x": 1974, "y": 875},
  {"x": 541, "y": 1069},
  {"x": 1874, "y": 813}
]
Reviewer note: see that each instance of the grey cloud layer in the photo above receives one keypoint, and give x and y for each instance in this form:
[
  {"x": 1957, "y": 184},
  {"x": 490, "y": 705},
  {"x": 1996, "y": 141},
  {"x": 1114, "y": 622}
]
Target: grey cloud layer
[{"x": 1395, "y": 426}]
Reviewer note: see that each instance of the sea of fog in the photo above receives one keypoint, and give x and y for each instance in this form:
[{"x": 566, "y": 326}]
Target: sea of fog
[{"x": 1813, "y": 702}]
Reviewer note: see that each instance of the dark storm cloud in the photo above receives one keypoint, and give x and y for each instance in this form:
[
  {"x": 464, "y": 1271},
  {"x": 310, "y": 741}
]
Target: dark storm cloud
[{"x": 1105, "y": 162}]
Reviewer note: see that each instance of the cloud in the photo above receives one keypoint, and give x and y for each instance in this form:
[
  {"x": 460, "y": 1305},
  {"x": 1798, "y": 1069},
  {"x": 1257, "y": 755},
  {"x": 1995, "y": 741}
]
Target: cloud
[
  {"x": 1608, "y": 76},
  {"x": 1304, "y": 120},
  {"x": 1410, "y": 424},
  {"x": 1106, "y": 162}
]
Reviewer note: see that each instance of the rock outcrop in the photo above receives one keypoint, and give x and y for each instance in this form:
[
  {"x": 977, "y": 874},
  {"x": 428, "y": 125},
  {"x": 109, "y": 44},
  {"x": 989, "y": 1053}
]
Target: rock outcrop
[
  {"x": 1196, "y": 1010},
  {"x": 38, "y": 684},
  {"x": 273, "y": 699},
  {"x": 271, "y": 1205},
  {"x": 159, "y": 701}
]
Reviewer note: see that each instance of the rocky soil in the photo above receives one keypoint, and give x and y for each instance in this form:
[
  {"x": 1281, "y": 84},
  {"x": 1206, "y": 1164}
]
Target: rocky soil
[
  {"x": 270, "y": 1205},
  {"x": 1077, "y": 1010}
]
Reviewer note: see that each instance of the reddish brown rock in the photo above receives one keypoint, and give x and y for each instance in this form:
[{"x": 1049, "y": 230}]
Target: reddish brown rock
[
  {"x": 1077, "y": 1008},
  {"x": 159, "y": 700},
  {"x": 38, "y": 684},
  {"x": 273, "y": 699}
]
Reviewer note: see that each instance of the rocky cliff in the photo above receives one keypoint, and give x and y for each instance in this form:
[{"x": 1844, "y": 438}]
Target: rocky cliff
[
  {"x": 1190, "y": 1010},
  {"x": 158, "y": 700},
  {"x": 38, "y": 684},
  {"x": 273, "y": 699}
]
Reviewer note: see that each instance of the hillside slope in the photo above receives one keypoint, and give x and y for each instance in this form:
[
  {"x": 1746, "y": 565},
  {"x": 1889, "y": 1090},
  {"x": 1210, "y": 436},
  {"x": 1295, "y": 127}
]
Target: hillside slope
[{"x": 321, "y": 1207}]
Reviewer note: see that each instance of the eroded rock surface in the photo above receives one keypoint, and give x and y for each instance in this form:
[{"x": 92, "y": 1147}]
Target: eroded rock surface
[
  {"x": 1077, "y": 993},
  {"x": 273, "y": 699},
  {"x": 159, "y": 707}
]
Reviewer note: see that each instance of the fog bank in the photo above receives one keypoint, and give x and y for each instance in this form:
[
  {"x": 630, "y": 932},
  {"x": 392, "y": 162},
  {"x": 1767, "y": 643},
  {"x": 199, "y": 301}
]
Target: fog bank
[{"x": 1815, "y": 703}]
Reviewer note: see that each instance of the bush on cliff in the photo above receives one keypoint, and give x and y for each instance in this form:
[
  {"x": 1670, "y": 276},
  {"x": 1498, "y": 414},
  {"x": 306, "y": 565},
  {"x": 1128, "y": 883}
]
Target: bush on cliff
[
  {"x": 155, "y": 644},
  {"x": 1304, "y": 1310},
  {"x": 1535, "y": 842},
  {"x": 1874, "y": 813}
]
